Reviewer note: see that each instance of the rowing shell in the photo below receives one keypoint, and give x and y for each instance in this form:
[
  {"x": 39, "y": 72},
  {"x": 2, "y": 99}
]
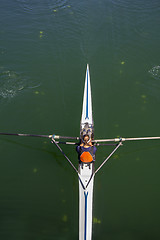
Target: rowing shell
[{"x": 86, "y": 171}]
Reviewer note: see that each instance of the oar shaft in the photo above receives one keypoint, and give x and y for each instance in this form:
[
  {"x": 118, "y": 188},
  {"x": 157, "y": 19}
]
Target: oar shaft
[
  {"x": 67, "y": 143},
  {"x": 106, "y": 140},
  {"x": 141, "y": 138},
  {"x": 25, "y": 135},
  {"x": 125, "y": 139},
  {"x": 35, "y": 135},
  {"x": 64, "y": 137}
]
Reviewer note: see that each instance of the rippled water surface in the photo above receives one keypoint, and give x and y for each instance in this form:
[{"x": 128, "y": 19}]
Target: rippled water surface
[{"x": 44, "y": 49}]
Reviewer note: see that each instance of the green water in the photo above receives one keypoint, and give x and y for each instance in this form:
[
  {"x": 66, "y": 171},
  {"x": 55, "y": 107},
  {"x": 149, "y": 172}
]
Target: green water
[{"x": 44, "y": 49}]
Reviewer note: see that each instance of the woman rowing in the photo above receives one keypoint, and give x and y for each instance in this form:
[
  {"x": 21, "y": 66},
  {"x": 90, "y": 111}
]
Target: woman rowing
[{"x": 86, "y": 150}]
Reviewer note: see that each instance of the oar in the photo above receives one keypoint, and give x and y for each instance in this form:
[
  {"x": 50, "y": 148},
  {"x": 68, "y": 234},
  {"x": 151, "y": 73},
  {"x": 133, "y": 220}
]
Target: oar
[
  {"x": 35, "y": 135},
  {"x": 67, "y": 143},
  {"x": 125, "y": 139},
  {"x": 63, "y": 137},
  {"x": 26, "y": 135}
]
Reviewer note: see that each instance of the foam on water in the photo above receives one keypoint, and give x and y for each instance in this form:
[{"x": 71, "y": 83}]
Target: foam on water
[
  {"x": 12, "y": 83},
  {"x": 155, "y": 72},
  {"x": 151, "y": 83}
]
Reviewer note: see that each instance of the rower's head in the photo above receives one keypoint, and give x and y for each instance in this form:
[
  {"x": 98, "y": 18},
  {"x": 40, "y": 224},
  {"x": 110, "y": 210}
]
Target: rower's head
[{"x": 86, "y": 139}]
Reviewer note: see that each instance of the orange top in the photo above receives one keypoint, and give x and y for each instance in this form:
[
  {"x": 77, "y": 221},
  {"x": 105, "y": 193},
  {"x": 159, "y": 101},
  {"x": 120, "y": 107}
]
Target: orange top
[{"x": 86, "y": 157}]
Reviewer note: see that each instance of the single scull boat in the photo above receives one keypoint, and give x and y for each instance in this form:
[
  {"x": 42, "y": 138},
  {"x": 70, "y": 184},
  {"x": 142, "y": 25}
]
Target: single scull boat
[{"x": 85, "y": 171}]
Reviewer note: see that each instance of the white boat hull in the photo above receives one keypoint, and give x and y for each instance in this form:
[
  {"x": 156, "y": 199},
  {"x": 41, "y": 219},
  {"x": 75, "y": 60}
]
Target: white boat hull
[
  {"x": 86, "y": 171},
  {"x": 86, "y": 201}
]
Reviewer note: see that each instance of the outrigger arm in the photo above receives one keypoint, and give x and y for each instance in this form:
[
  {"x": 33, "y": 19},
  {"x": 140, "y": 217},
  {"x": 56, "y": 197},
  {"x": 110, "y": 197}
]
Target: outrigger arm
[
  {"x": 74, "y": 168},
  {"x": 115, "y": 149},
  {"x": 110, "y": 155}
]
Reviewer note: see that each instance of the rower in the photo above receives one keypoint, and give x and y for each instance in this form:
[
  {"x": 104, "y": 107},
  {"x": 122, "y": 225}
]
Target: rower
[{"x": 86, "y": 150}]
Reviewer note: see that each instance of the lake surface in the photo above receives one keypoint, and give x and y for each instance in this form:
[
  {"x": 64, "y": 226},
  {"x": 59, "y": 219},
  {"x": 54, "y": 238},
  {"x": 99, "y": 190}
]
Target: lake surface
[{"x": 44, "y": 49}]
